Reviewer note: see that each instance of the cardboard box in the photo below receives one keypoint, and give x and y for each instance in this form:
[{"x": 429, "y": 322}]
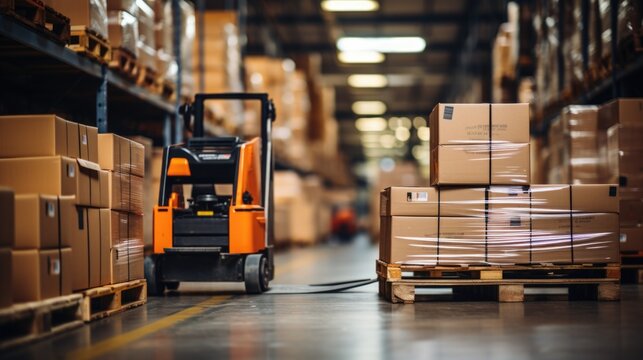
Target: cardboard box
[
  {"x": 103, "y": 184},
  {"x": 36, "y": 274},
  {"x": 36, "y": 222},
  {"x": 465, "y": 124},
  {"x": 137, "y": 158},
  {"x": 105, "y": 244},
  {"x": 631, "y": 212},
  {"x": 73, "y": 140},
  {"x": 424, "y": 201},
  {"x": 471, "y": 165},
  {"x": 6, "y": 295},
  {"x": 66, "y": 271},
  {"x": 136, "y": 194},
  {"x": 550, "y": 238},
  {"x": 631, "y": 238},
  {"x": 508, "y": 200},
  {"x": 80, "y": 251},
  {"x": 125, "y": 152},
  {"x": 595, "y": 198},
  {"x": 109, "y": 157},
  {"x": 549, "y": 198},
  {"x": 114, "y": 183},
  {"x": 508, "y": 239},
  {"x": 92, "y": 144},
  {"x": 69, "y": 219},
  {"x": 88, "y": 193},
  {"x": 596, "y": 238},
  {"x": 55, "y": 175},
  {"x": 461, "y": 241},
  {"x": 89, "y": 13},
  {"x": 621, "y": 111},
  {"x": 94, "y": 239},
  {"x": 410, "y": 240},
  {"x": 119, "y": 259},
  {"x": 7, "y": 220},
  {"x": 32, "y": 135}
]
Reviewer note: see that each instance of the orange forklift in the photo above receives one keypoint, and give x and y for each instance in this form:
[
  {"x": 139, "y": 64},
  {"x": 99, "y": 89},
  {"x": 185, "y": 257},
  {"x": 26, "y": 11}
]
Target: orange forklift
[{"x": 223, "y": 231}]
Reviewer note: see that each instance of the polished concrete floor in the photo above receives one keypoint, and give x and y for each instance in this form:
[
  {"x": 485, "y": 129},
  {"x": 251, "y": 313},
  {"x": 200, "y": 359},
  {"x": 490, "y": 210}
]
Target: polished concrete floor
[{"x": 206, "y": 321}]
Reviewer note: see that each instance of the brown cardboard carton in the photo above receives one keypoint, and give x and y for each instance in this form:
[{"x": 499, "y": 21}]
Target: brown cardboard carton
[
  {"x": 631, "y": 212},
  {"x": 73, "y": 140},
  {"x": 423, "y": 201},
  {"x": 55, "y": 175},
  {"x": 125, "y": 155},
  {"x": 90, "y": 14},
  {"x": 66, "y": 276},
  {"x": 109, "y": 157},
  {"x": 80, "y": 251},
  {"x": 126, "y": 192},
  {"x": 549, "y": 198},
  {"x": 119, "y": 261},
  {"x": 595, "y": 198},
  {"x": 36, "y": 219},
  {"x": 135, "y": 246},
  {"x": 137, "y": 158},
  {"x": 69, "y": 218},
  {"x": 412, "y": 240},
  {"x": 621, "y": 111},
  {"x": 114, "y": 190},
  {"x": 7, "y": 220},
  {"x": 471, "y": 165},
  {"x": 35, "y": 274},
  {"x": 550, "y": 238},
  {"x": 508, "y": 238},
  {"x": 84, "y": 142},
  {"x": 103, "y": 184},
  {"x": 136, "y": 194},
  {"x": 94, "y": 233},
  {"x": 32, "y": 135},
  {"x": 105, "y": 244},
  {"x": 459, "y": 201},
  {"x": 92, "y": 144},
  {"x": 461, "y": 240},
  {"x": 384, "y": 240},
  {"x": 507, "y": 200},
  {"x": 469, "y": 124},
  {"x": 595, "y": 238},
  {"x": 6, "y": 295},
  {"x": 88, "y": 183},
  {"x": 631, "y": 238}
]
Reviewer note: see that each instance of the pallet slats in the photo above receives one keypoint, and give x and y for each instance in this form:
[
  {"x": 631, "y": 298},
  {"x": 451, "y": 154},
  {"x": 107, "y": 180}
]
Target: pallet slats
[
  {"x": 57, "y": 25},
  {"x": 23, "y": 323},
  {"x": 30, "y": 12},
  {"x": 502, "y": 283},
  {"x": 632, "y": 268},
  {"x": 124, "y": 63},
  {"x": 107, "y": 300},
  {"x": 86, "y": 42}
]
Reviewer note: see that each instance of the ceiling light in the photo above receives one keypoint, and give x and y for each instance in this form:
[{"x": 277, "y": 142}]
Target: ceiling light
[
  {"x": 408, "y": 44},
  {"x": 387, "y": 141},
  {"x": 402, "y": 133},
  {"x": 369, "y": 108},
  {"x": 419, "y": 122},
  {"x": 361, "y": 57},
  {"x": 367, "y": 81},
  {"x": 424, "y": 133},
  {"x": 370, "y": 124},
  {"x": 350, "y": 5}
]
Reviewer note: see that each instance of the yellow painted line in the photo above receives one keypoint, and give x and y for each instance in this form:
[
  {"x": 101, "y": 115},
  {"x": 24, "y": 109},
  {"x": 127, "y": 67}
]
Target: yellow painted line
[{"x": 122, "y": 340}]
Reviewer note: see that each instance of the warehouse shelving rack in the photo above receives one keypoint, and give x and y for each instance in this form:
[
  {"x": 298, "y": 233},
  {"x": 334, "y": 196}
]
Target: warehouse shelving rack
[{"x": 42, "y": 76}]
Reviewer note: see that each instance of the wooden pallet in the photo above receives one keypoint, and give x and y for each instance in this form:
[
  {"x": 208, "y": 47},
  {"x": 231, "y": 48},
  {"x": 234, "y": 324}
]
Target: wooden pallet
[
  {"x": 22, "y": 323},
  {"x": 166, "y": 88},
  {"x": 632, "y": 267},
  {"x": 397, "y": 283},
  {"x": 107, "y": 300},
  {"x": 124, "y": 62},
  {"x": 57, "y": 25},
  {"x": 29, "y": 12},
  {"x": 86, "y": 42},
  {"x": 147, "y": 78}
]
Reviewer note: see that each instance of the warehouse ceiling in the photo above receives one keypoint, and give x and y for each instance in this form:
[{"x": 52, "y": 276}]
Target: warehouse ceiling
[{"x": 458, "y": 35}]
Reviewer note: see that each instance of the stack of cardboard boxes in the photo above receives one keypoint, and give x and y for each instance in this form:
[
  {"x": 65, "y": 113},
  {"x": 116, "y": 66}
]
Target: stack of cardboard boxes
[
  {"x": 621, "y": 123},
  {"x": 61, "y": 207},
  {"x": 6, "y": 243},
  {"x": 484, "y": 210},
  {"x": 123, "y": 26}
]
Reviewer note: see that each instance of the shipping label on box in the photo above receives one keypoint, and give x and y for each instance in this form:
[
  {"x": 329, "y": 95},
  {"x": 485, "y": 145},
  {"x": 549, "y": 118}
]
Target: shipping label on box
[
  {"x": 36, "y": 222},
  {"x": 84, "y": 142},
  {"x": 32, "y": 135},
  {"x": 55, "y": 175}
]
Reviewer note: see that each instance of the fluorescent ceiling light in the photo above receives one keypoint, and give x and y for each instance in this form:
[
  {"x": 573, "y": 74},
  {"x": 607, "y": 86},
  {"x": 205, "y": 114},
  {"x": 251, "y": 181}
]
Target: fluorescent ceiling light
[
  {"x": 361, "y": 57},
  {"x": 350, "y": 5},
  {"x": 370, "y": 124},
  {"x": 424, "y": 133},
  {"x": 367, "y": 81},
  {"x": 408, "y": 44},
  {"x": 402, "y": 133},
  {"x": 369, "y": 108}
]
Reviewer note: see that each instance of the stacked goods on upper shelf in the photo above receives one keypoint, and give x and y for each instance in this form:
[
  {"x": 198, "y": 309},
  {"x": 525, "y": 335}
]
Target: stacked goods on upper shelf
[
  {"x": 500, "y": 225},
  {"x": 216, "y": 58},
  {"x": 573, "y": 146},
  {"x": 49, "y": 161},
  {"x": 123, "y": 27},
  {"x": 545, "y": 22},
  {"x": 505, "y": 57},
  {"x": 479, "y": 144},
  {"x": 163, "y": 33},
  {"x": 572, "y": 47},
  {"x": 630, "y": 28},
  {"x": 88, "y": 14},
  {"x": 146, "y": 43},
  {"x": 621, "y": 123}
]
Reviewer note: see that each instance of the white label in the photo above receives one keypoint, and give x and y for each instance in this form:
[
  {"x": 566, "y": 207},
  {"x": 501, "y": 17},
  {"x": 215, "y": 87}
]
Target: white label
[
  {"x": 51, "y": 210},
  {"x": 622, "y": 238},
  {"x": 417, "y": 196},
  {"x": 71, "y": 170},
  {"x": 83, "y": 139},
  {"x": 54, "y": 266}
]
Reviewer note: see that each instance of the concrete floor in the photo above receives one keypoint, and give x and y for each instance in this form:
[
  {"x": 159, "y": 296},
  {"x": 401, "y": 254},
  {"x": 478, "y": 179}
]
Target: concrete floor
[{"x": 206, "y": 321}]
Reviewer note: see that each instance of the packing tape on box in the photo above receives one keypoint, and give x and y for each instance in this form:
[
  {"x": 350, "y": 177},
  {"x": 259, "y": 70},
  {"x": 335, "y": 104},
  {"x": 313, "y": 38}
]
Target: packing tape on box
[{"x": 500, "y": 225}]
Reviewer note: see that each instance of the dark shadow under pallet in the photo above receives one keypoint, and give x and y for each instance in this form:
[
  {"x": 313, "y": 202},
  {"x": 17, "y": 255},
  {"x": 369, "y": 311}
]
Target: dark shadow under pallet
[
  {"x": 632, "y": 268},
  {"x": 398, "y": 283}
]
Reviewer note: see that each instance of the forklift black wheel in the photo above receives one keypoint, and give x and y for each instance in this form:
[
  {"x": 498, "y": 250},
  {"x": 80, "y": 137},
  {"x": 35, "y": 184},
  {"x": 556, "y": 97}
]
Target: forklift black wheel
[
  {"x": 172, "y": 285},
  {"x": 256, "y": 274},
  {"x": 155, "y": 287}
]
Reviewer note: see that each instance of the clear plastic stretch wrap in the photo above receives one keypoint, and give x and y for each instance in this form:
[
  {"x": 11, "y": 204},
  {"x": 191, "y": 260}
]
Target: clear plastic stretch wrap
[
  {"x": 98, "y": 17},
  {"x": 499, "y": 225},
  {"x": 127, "y": 246},
  {"x": 123, "y": 31},
  {"x": 91, "y": 14},
  {"x": 130, "y": 6},
  {"x": 464, "y": 151}
]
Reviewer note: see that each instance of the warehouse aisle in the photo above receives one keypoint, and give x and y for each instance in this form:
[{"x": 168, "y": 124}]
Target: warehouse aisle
[{"x": 201, "y": 322}]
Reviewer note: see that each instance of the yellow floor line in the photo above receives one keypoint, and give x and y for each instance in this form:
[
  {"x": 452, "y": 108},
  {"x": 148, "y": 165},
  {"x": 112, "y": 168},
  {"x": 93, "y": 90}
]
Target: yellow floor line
[{"x": 119, "y": 341}]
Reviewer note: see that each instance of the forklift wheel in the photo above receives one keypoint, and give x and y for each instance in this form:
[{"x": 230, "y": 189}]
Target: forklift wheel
[
  {"x": 172, "y": 285},
  {"x": 256, "y": 274},
  {"x": 154, "y": 286}
]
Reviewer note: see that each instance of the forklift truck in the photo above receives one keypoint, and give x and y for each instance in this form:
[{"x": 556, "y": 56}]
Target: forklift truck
[{"x": 217, "y": 235}]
